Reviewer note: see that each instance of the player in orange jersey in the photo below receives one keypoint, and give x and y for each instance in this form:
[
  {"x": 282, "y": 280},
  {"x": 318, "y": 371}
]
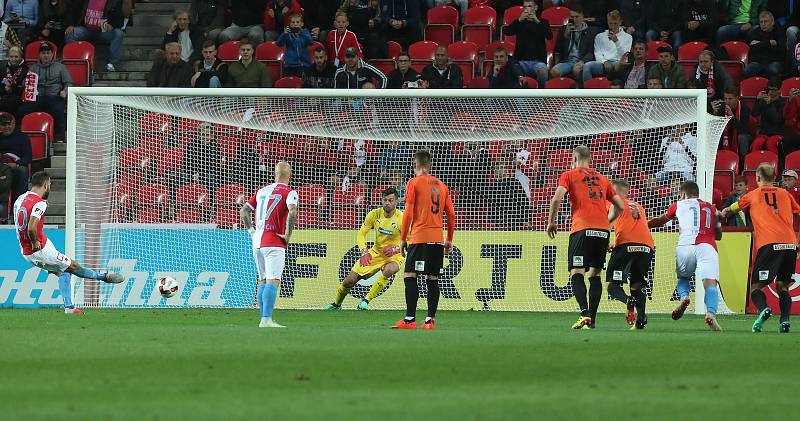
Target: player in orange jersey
[
  {"x": 422, "y": 239},
  {"x": 631, "y": 255},
  {"x": 771, "y": 209},
  {"x": 588, "y": 242}
]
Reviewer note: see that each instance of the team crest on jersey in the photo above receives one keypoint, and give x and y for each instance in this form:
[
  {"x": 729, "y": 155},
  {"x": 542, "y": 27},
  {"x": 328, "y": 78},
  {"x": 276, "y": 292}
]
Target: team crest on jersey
[
  {"x": 577, "y": 260},
  {"x": 763, "y": 275},
  {"x": 419, "y": 265},
  {"x": 617, "y": 276}
]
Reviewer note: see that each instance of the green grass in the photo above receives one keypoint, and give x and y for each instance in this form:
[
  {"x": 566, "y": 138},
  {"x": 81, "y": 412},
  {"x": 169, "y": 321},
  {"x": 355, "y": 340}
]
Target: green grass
[{"x": 216, "y": 364}]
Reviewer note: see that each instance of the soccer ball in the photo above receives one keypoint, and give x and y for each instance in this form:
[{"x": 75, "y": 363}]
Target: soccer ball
[{"x": 167, "y": 287}]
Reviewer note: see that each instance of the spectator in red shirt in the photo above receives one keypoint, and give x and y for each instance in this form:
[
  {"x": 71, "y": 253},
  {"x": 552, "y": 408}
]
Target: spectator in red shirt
[
  {"x": 341, "y": 40},
  {"x": 791, "y": 121}
]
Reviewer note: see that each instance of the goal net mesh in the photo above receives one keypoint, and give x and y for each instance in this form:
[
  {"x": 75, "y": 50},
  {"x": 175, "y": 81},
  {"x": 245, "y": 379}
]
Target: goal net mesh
[{"x": 159, "y": 182}]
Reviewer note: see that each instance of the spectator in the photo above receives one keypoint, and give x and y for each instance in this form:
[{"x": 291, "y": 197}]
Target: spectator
[
  {"x": 247, "y": 72},
  {"x": 54, "y": 79},
  {"x": 668, "y": 71},
  {"x": 441, "y": 74},
  {"x": 609, "y": 46},
  {"x": 210, "y": 72},
  {"x": 322, "y": 73},
  {"x": 202, "y": 158},
  {"x": 99, "y": 21},
  {"x": 665, "y": 20},
  {"x": 736, "y": 136},
  {"x": 530, "y": 50},
  {"x": 277, "y": 16},
  {"x": 741, "y": 219},
  {"x": 767, "y": 48},
  {"x": 634, "y": 17},
  {"x": 356, "y": 73},
  {"x": 15, "y": 153},
  {"x": 769, "y": 107},
  {"x": 505, "y": 74},
  {"x": 171, "y": 71},
  {"x": 185, "y": 33},
  {"x": 404, "y": 77},
  {"x": 394, "y": 158},
  {"x": 512, "y": 209},
  {"x": 634, "y": 75},
  {"x": 680, "y": 154},
  {"x": 711, "y": 76},
  {"x": 246, "y": 19},
  {"x": 14, "y": 73},
  {"x": 789, "y": 182},
  {"x": 319, "y": 15},
  {"x": 401, "y": 20},
  {"x": 295, "y": 41},
  {"x": 9, "y": 40},
  {"x": 742, "y": 16},
  {"x": 461, "y": 5},
  {"x": 791, "y": 121},
  {"x": 367, "y": 23},
  {"x": 596, "y": 11},
  {"x": 574, "y": 46},
  {"x": 54, "y": 15},
  {"x": 341, "y": 40},
  {"x": 209, "y": 15},
  {"x": 701, "y": 20},
  {"x": 24, "y": 14},
  {"x": 793, "y": 23}
]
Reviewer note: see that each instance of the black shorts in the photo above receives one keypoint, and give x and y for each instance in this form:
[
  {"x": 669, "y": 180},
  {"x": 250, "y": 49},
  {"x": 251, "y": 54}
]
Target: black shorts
[
  {"x": 774, "y": 262},
  {"x": 629, "y": 261},
  {"x": 587, "y": 249},
  {"x": 427, "y": 258}
]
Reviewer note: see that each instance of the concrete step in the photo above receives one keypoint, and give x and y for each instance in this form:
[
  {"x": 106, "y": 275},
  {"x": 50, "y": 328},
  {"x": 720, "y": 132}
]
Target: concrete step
[
  {"x": 57, "y": 173},
  {"x": 55, "y": 219},
  {"x": 159, "y": 7},
  {"x": 144, "y": 52},
  {"x": 58, "y": 161},
  {"x": 147, "y": 30},
  {"x": 56, "y": 209},
  {"x": 147, "y": 40},
  {"x": 123, "y": 76},
  {"x": 150, "y": 19},
  {"x": 56, "y": 197},
  {"x": 60, "y": 148},
  {"x": 135, "y": 66},
  {"x": 58, "y": 184}
]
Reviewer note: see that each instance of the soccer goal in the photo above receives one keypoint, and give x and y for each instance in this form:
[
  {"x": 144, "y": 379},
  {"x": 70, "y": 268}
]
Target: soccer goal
[{"x": 156, "y": 177}]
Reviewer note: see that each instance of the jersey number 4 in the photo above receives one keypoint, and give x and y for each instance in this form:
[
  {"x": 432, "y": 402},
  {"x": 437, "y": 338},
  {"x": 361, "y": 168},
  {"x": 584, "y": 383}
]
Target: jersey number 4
[{"x": 773, "y": 202}]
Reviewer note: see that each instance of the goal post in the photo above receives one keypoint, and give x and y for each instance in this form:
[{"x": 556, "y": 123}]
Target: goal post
[{"x": 155, "y": 177}]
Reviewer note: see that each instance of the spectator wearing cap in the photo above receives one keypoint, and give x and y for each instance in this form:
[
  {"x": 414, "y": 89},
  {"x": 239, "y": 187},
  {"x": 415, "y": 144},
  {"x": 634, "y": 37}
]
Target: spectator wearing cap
[
  {"x": 401, "y": 20},
  {"x": 530, "y": 50},
  {"x": 789, "y": 183},
  {"x": 9, "y": 39},
  {"x": 187, "y": 34},
  {"x": 609, "y": 47},
  {"x": 99, "y": 21},
  {"x": 171, "y": 71},
  {"x": 24, "y": 14},
  {"x": 441, "y": 74},
  {"x": 702, "y": 18},
  {"x": 341, "y": 40},
  {"x": 668, "y": 70},
  {"x": 247, "y": 17},
  {"x": 15, "y": 155},
  {"x": 711, "y": 76},
  {"x": 356, "y": 73},
  {"x": 741, "y": 219},
  {"x": 742, "y": 16},
  {"x": 635, "y": 67},
  {"x": 400, "y": 77},
  {"x": 665, "y": 20},
  {"x": 769, "y": 106},
  {"x": 321, "y": 73},
  {"x": 54, "y": 79},
  {"x": 247, "y": 72},
  {"x": 767, "y": 48}
]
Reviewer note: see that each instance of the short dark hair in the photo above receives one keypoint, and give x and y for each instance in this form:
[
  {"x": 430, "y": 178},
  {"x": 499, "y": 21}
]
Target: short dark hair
[
  {"x": 390, "y": 191},
  {"x": 577, "y": 9},
  {"x": 39, "y": 179},
  {"x": 640, "y": 42},
  {"x": 423, "y": 157},
  {"x": 246, "y": 41},
  {"x": 403, "y": 54},
  {"x": 501, "y": 50},
  {"x": 732, "y": 90},
  {"x": 209, "y": 43},
  {"x": 690, "y": 188},
  {"x": 320, "y": 50}
]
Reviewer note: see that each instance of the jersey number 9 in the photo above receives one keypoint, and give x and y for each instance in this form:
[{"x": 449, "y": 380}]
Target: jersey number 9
[{"x": 436, "y": 197}]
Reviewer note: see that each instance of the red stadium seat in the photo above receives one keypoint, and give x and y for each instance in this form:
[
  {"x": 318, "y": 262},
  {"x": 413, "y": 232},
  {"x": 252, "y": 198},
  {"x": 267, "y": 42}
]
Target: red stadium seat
[
  {"x": 422, "y": 54},
  {"x": 152, "y": 203},
  {"x": 690, "y": 51},
  {"x": 488, "y": 62},
  {"x": 792, "y": 161},
  {"x": 289, "y": 82},
  {"x": 311, "y": 204},
  {"x": 271, "y": 55},
  {"x": 560, "y": 83},
  {"x": 191, "y": 204},
  {"x": 394, "y": 49},
  {"x": 751, "y": 86},
  {"x": 725, "y": 169},
  {"x": 753, "y": 160},
  {"x": 479, "y": 25},
  {"x": 122, "y": 193},
  {"x": 788, "y": 84},
  {"x": 135, "y": 164},
  {"x": 228, "y": 51},
  {"x": 228, "y": 200},
  {"x": 737, "y": 50},
  {"x": 384, "y": 65},
  {"x": 511, "y": 14},
  {"x": 478, "y": 83},
  {"x": 465, "y": 55},
  {"x": 608, "y": 141},
  {"x": 652, "y": 49},
  {"x": 597, "y": 83},
  {"x": 155, "y": 124},
  {"x": 32, "y": 51},
  {"x": 442, "y": 24},
  {"x": 557, "y": 16},
  {"x": 347, "y": 206},
  {"x": 78, "y": 57},
  {"x": 464, "y": 122},
  {"x": 169, "y": 165},
  {"x": 39, "y": 128}
]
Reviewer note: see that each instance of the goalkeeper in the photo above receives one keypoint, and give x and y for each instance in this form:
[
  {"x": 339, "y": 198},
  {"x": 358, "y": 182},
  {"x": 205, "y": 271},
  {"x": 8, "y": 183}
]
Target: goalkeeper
[{"x": 384, "y": 256}]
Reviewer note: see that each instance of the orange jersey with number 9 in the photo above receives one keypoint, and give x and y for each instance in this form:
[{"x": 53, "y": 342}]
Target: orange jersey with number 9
[
  {"x": 426, "y": 199},
  {"x": 588, "y": 192}
]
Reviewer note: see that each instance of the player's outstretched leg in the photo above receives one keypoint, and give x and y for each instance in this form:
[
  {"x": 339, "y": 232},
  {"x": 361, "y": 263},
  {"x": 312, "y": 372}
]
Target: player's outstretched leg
[
  {"x": 433, "y": 302},
  {"x": 65, "y": 286},
  {"x": 76, "y": 269},
  {"x": 684, "y": 287},
  {"x": 759, "y": 300},
  {"x": 579, "y": 291},
  {"x": 412, "y": 296},
  {"x": 269, "y": 293},
  {"x": 711, "y": 300},
  {"x": 785, "y": 300}
]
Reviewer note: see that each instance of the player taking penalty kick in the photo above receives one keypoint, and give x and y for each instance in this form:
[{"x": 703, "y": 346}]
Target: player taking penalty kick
[
  {"x": 383, "y": 257},
  {"x": 421, "y": 238},
  {"x": 631, "y": 256},
  {"x": 37, "y": 249},
  {"x": 771, "y": 210},
  {"x": 275, "y": 207},
  {"x": 588, "y": 242}
]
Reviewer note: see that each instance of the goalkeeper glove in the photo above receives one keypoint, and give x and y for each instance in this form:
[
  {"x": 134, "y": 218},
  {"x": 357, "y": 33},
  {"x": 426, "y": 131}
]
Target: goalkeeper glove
[
  {"x": 366, "y": 258},
  {"x": 390, "y": 251}
]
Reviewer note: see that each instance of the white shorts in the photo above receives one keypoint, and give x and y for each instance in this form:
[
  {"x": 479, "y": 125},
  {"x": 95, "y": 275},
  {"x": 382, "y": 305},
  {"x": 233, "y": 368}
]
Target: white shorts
[
  {"x": 49, "y": 259},
  {"x": 701, "y": 258},
  {"x": 270, "y": 262}
]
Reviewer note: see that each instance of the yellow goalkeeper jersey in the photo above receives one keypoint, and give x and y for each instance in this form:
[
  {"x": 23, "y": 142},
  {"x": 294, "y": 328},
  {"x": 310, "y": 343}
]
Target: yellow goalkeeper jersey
[{"x": 387, "y": 230}]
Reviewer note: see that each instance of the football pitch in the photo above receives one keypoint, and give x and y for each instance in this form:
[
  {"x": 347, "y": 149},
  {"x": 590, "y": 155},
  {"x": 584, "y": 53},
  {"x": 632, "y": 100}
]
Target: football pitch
[{"x": 216, "y": 364}]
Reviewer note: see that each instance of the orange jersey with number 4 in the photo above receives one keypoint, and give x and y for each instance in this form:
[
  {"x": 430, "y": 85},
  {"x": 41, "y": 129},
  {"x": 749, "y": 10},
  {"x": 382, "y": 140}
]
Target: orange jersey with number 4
[
  {"x": 771, "y": 210},
  {"x": 426, "y": 199},
  {"x": 631, "y": 225},
  {"x": 588, "y": 192}
]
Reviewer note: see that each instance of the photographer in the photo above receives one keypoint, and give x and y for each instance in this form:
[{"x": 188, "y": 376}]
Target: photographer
[
  {"x": 769, "y": 106},
  {"x": 574, "y": 46},
  {"x": 404, "y": 77},
  {"x": 736, "y": 136},
  {"x": 53, "y": 14},
  {"x": 530, "y": 50},
  {"x": 609, "y": 47},
  {"x": 296, "y": 41},
  {"x": 23, "y": 15}
]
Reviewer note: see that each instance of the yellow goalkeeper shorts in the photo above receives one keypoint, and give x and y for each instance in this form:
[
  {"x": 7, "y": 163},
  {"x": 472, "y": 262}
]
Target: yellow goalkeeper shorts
[{"x": 378, "y": 262}]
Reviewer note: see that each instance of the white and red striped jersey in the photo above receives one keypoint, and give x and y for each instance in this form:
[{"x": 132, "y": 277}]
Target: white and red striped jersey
[
  {"x": 697, "y": 221},
  {"x": 28, "y": 205},
  {"x": 271, "y": 205}
]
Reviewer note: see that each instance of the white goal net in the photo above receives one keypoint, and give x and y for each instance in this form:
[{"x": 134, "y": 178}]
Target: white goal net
[{"x": 156, "y": 178}]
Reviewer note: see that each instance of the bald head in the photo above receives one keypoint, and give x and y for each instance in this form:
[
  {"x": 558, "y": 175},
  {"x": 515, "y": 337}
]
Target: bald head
[
  {"x": 283, "y": 172},
  {"x": 581, "y": 155},
  {"x": 441, "y": 57}
]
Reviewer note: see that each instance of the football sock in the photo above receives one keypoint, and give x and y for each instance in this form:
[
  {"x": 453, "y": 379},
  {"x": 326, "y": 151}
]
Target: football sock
[
  {"x": 87, "y": 273},
  {"x": 595, "y": 294},
  {"x": 269, "y": 296},
  {"x": 684, "y": 287},
  {"x": 412, "y": 295},
  {"x": 616, "y": 292},
  {"x": 377, "y": 287},
  {"x": 711, "y": 299},
  {"x": 66, "y": 290},
  {"x": 759, "y": 299},
  {"x": 579, "y": 290},
  {"x": 433, "y": 297},
  {"x": 341, "y": 292},
  {"x": 260, "y": 297},
  {"x": 641, "y": 301},
  {"x": 786, "y": 305}
]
